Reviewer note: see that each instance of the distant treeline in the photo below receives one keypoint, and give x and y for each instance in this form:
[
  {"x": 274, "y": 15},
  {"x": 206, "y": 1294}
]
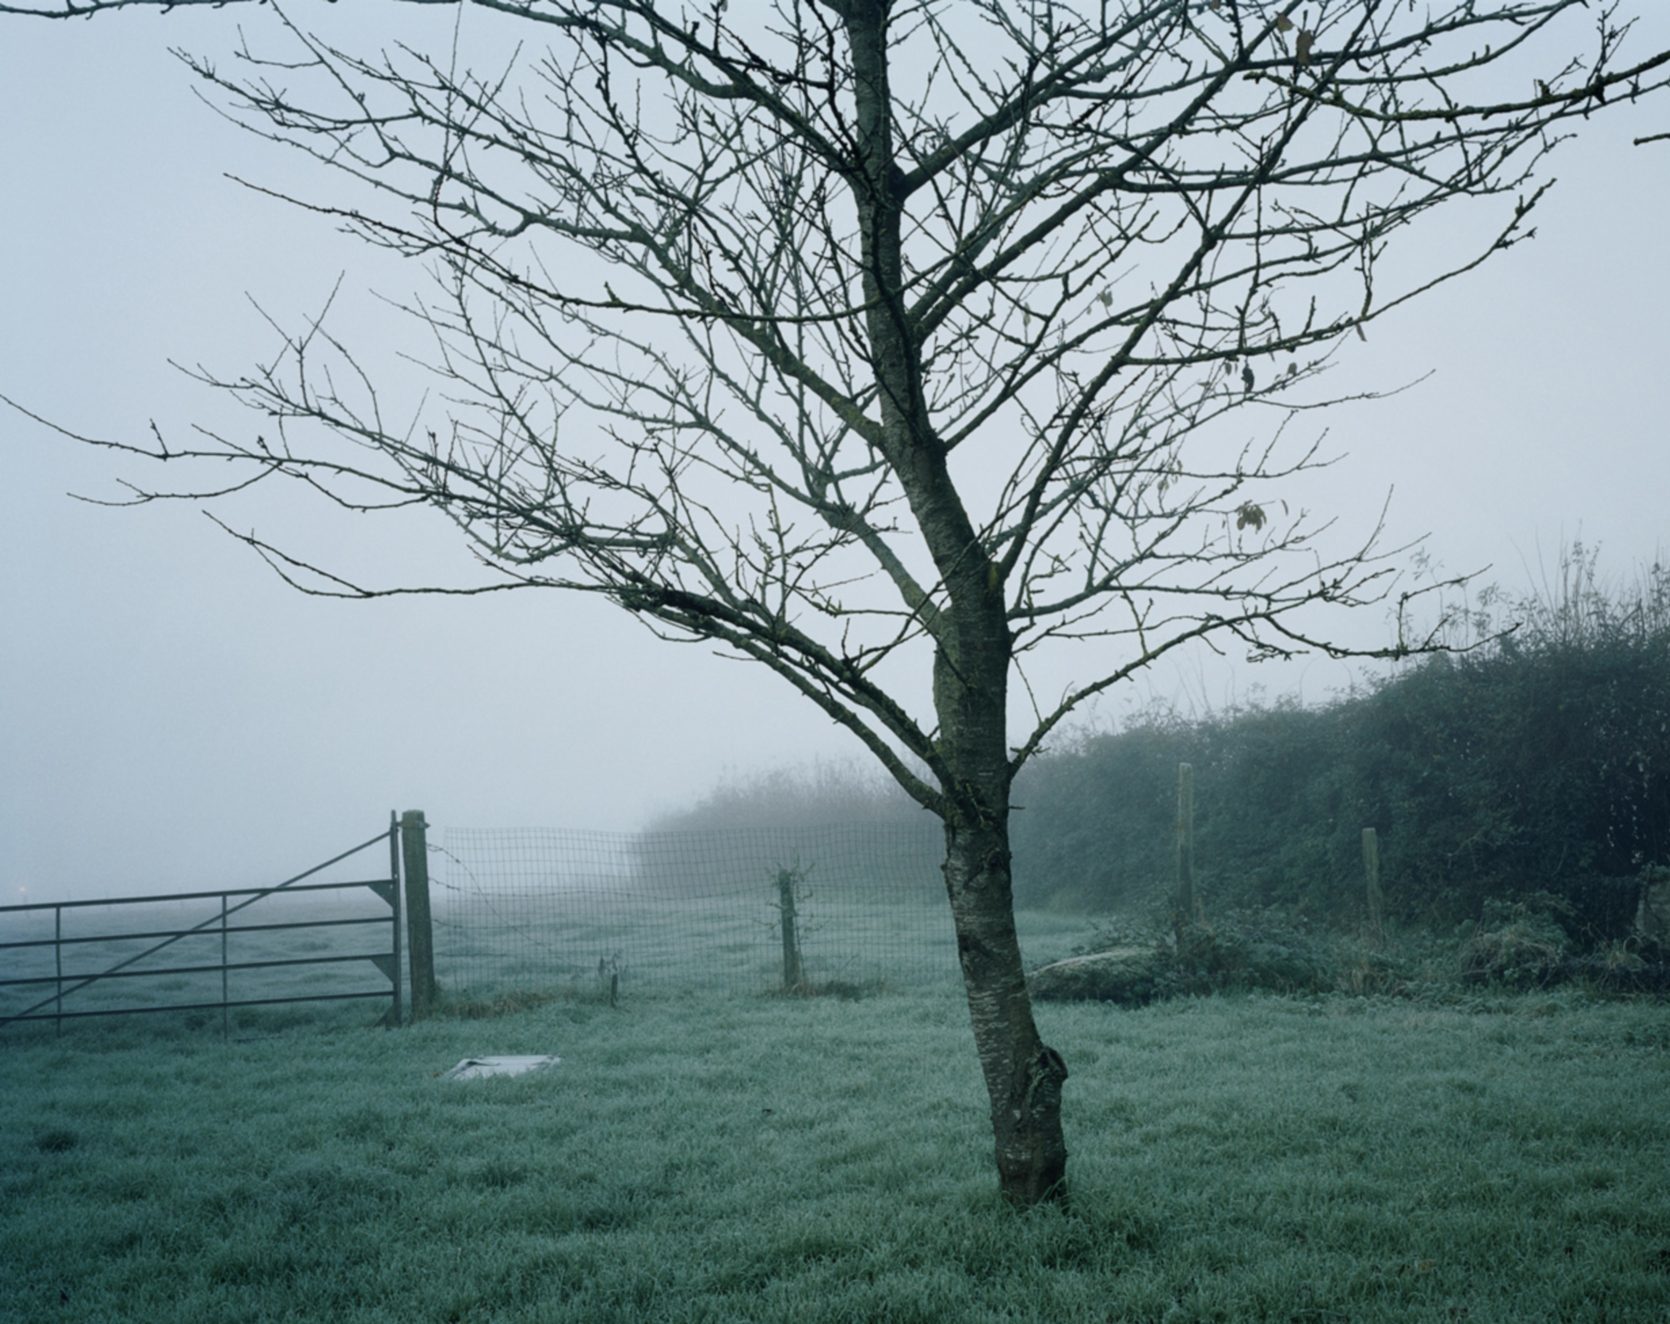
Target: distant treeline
[
  {"x": 841, "y": 829},
  {"x": 822, "y": 795},
  {"x": 1538, "y": 762}
]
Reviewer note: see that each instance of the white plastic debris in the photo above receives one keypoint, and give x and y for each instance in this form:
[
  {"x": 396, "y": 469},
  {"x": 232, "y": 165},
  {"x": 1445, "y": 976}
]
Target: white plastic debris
[{"x": 479, "y": 1068}]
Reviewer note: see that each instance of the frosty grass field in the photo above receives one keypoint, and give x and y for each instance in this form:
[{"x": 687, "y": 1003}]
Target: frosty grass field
[{"x": 723, "y": 1154}]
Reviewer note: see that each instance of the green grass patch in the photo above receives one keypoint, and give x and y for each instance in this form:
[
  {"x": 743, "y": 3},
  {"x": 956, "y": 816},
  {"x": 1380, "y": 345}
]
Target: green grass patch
[
  {"x": 702, "y": 1157},
  {"x": 901, "y": 938}
]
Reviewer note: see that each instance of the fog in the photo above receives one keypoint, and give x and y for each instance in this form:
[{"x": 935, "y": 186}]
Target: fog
[{"x": 174, "y": 716}]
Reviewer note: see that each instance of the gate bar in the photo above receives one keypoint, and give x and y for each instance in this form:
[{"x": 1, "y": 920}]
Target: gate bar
[
  {"x": 198, "y": 928},
  {"x": 396, "y": 1012}
]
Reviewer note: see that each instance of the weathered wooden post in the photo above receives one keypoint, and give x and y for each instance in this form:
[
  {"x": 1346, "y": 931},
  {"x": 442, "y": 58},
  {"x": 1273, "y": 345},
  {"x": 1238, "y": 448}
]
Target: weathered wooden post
[
  {"x": 1185, "y": 908},
  {"x": 1371, "y": 871},
  {"x": 420, "y": 933},
  {"x": 791, "y": 936},
  {"x": 1652, "y": 907}
]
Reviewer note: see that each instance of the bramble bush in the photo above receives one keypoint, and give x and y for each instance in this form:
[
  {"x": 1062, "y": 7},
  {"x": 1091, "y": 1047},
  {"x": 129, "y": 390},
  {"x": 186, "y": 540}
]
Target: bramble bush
[
  {"x": 1520, "y": 944},
  {"x": 1538, "y": 762},
  {"x": 1535, "y": 761}
]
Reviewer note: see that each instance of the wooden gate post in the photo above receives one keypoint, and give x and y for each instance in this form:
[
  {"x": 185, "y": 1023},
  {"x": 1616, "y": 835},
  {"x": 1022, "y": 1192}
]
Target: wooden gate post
[{"x": 420, "y": 933}]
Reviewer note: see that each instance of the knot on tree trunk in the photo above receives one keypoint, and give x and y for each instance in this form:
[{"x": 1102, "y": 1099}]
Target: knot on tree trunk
[
  {"x": 1045, "y": 1076},
  {"x": 1031, "y": 1154}
]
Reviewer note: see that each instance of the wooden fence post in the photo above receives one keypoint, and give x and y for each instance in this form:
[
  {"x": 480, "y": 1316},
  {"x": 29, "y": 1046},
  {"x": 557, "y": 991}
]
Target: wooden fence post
[
  {"x": 420, "y": 933},
  {"x": 608, "y": 979},
  {"x": 1371, "y": 869},
  {"x": 792, "y": 974},
  {"x": 1185, "y": 908}
]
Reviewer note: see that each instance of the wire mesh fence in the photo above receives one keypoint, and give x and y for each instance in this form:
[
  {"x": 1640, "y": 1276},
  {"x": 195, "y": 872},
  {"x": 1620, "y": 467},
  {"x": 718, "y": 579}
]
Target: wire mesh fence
[
  {"x": 552, "y": 909},
  {"x": 748, "y": 910}
]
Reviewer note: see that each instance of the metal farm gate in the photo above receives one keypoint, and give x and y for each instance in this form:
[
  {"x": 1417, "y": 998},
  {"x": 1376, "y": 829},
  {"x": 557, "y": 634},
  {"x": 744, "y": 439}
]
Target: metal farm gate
[{"x": 274, "y": 962}]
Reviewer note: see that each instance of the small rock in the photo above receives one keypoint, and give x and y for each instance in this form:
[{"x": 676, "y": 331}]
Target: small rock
[{"x": 1129, "y": 976}]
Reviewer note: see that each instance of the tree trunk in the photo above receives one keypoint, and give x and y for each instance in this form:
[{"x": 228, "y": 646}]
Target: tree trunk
[
  {"x": 1023, "y": 1075},
  {"x": 973, "y": 654}
]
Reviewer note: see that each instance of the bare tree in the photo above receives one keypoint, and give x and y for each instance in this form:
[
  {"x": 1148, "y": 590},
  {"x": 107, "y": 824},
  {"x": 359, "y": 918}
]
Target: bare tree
[{"x": 876, "y": 340}]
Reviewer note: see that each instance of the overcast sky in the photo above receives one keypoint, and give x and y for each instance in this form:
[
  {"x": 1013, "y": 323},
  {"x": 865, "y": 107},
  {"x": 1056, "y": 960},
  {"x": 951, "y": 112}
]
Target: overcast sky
[{"x": 174, "y": 716}]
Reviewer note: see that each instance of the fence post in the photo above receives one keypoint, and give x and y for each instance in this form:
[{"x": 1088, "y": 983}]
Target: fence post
[
  {"x": 58, "y": 967},
  {"x": 1185, "y": 908},
  {"x": 791, "y": 937},
  {"x": 1371, "y": 869},
  {"x": 420, "y": 935},
  {"x": 608, "y": 979}
]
